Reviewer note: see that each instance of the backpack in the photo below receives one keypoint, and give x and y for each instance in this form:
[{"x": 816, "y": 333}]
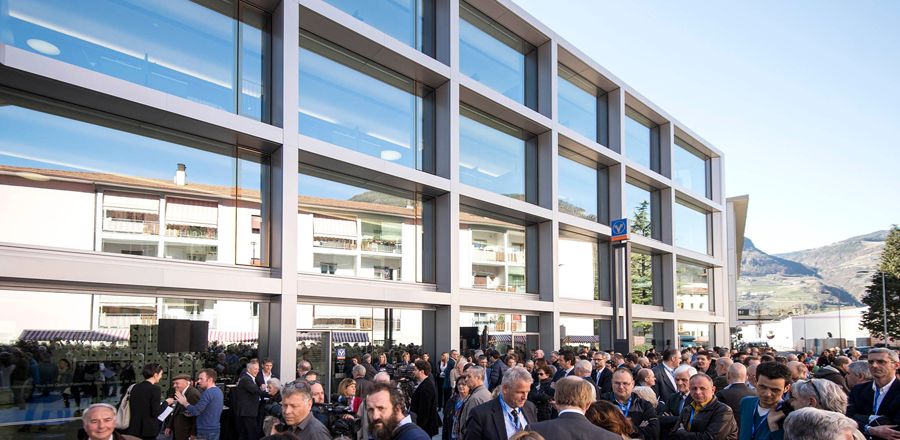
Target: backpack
[{"x": 123, "y": 417}]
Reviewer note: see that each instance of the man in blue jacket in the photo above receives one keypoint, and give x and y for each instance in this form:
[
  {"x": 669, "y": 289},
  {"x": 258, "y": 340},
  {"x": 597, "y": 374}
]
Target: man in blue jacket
[
  {"x": 761, "y": 416},
  {"x": 208, "y": 410}
]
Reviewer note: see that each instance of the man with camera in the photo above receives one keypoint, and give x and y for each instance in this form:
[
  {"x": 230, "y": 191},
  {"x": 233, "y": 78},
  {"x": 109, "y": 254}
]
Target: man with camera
[{"x": 761, "y": 416}]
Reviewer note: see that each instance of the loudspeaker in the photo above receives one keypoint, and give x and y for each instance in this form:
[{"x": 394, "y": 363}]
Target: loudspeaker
[
  {"x": 173, "y": 336},
  {"x": 621, "y": 346},
  {"x": 199, "y": 336},
  {"x": 469, "y": 335}
]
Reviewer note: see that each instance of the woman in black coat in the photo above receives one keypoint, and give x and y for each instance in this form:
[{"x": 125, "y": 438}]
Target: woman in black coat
[
  {"x": 542, "y": 393},
  {"x": 453, "y": 408},
  {"x": 145, "y": 404}
]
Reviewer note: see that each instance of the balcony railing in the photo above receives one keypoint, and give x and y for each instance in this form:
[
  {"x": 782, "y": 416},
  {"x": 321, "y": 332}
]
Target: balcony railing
[
  {"x": 389, "y": 247},
  {"x": 334, "y": 243},
  {"x": 127, "y": 226},
  {"x": 498, "y": 256},
  {"x": 188, "y": 231}
]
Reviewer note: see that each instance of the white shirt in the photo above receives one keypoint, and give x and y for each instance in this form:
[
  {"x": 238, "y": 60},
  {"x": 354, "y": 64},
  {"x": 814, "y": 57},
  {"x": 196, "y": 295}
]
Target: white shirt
[
  {"x": 670, "y": 373},
  {"x": 443, "y": 367},
  {"x": 576, "y": 411},
  {"x": 405, "y": 421},
  {"x": 880, "y": 396},
  {"x": 762, "y": 411}
]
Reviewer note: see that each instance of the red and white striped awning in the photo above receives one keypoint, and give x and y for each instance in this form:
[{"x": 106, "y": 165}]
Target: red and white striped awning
[
  {"x": 113, "y": 335},
  {"x": 232, "y": 336},
  {"x": 104, "y": 335}
]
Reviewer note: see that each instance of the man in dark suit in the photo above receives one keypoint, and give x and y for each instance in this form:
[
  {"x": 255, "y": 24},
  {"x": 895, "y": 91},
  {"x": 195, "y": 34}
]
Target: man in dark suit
[
  {"x": 875, "y": 405},
  {"x": 245, "y": 400},
  {"x": 665, "y": 374},
  {"x": 678, "y": 401},
  {"x": 179, "y": 425},
  {"x": 423, "y": 405},
  {"x": 573, "y": 397},
  {"x": 509, "y": 413},
  {"x": 495, "y": 370},
  {"x": 566, "y": 363},
  {"x": 736, "y": 390},
  {"x": 583, "y": 370}
]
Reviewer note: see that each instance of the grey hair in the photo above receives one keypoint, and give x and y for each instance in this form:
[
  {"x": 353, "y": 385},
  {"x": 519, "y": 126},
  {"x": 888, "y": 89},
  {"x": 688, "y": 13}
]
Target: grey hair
[
  {"x": 304, "y": 390},
  {"x": 891, "y": 353},
  {"x": 87, "y": 412},
  {"x": 475, "y": 372},
  {"x": 382, "y": 376},
  {"x": 815, "y": 424},
  {"x": 359, "y": 371},
  {"x": 275, "y": 383},
  {"x": 583, "y": 366},
  {"x": 646, "y": 393},
  {"x": 861, "y": 369},
  {"x": 830, "y": 396},
  {"x": 515, "y": 375},
  {"x": 682, "y": 368}
]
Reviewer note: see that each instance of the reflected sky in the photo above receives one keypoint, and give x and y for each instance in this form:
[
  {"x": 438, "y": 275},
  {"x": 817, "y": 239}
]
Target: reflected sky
[
  {"x": 637, "y": 141},
  {"x": 397, "y": 18},
  {"x": 497, "y": 64},
  {"x": 578, "y": 187},
  {"x": 691, "y": 230},
  {"x": 577, "y": 108},
  {"x": 689, "y": 168},
  {"x": 491, "y": 159}
]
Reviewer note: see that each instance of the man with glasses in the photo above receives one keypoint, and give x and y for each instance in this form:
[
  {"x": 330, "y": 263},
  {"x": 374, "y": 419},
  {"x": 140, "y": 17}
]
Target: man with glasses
[
  {"x": 602, "y": 374},
  {"x": 641, "y": 413},
  {"x": 875, "y": 405},
  {"x": 818, "y": 393}
]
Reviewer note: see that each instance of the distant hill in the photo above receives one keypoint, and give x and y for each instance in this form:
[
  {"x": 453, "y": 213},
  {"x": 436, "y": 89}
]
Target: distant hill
[{"x": 809, "y": 280}]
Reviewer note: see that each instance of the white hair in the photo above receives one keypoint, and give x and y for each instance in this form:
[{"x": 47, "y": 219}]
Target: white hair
[
  {"x": 892, "y": 355},
  {"x": 816, "y": 424},
  {"x": 514, "y": 375},
  {"x": 682, "y": 368},
  {"x": 87, "y": 413},
  {"x": 828, "y": 394},
  {"x": 647, "y": 394}
]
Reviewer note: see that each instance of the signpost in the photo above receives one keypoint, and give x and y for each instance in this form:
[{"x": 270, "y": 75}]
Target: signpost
[
  {"x": 619, "y": 229},
  {"x": 621, "y": 283}
]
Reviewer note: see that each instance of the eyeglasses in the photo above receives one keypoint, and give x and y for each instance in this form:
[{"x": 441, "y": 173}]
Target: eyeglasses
[{"x": 804, "y": 383}]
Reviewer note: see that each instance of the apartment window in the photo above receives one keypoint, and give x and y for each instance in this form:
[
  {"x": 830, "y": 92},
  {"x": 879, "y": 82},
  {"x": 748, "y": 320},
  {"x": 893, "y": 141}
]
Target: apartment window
[
  {"x": 214, "y": 53},
  {"x": 692, "y": 169},
  {"x": 493, "y": 155},
  {"x": 692, "y": 228},
  {"x": 351, "y": 227},
  {"x": 354, "y": 103},
  {"x": 581, "y": 105},
  {"x": 693, "y": 286},
  {"x": 641, "y": 140},
  {"x": 83, "y": 180},
  {"x": 696, "y": 334},
  {"x": 578, "y": 186},
  {"x": 583, "y": 267},
  {"x": 410, "y": 21},
  {"x": 641, "y": 202},
  {"x": 493, "y": 252},
  {"x": 496, "y": 57}
]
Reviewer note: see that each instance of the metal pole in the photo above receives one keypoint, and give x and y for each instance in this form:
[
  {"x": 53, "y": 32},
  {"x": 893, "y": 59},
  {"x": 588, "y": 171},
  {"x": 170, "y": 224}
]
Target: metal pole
[{"x": 884, "y": 307}]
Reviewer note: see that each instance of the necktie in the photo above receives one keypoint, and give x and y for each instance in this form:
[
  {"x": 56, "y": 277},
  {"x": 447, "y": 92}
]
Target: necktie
[{"x": 515, "y": 417}]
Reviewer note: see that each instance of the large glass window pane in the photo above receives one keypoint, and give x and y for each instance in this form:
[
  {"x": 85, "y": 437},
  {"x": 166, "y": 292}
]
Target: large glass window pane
[
  {"x": 350, "y": 227},
  {"x": 578, "y": 332},
  {"x": 577, "y": 103},
  {"x": 89, "y": 348},
  {"x": 691, "y": 168},
  {"x": 492, "y": 253},
  {"x": 499, "y": 331},
  {"x": 638, "y": 138},
  {"x": 354, "y": 103},
  {"x": 494, "y": 56},
  {"x": 83, "y": 181},
  {"x": 696, "y": 334},
  {"x": 188, "y": 49},
  {"x": 638, "y": 209},
  {"x": 492, "y": 153},
  {"x": 691, "y": 228},
  {"x": 693, "y": 286},
  {"x": 579, "y": 275},
  {"x": 644, "y": 335},
  {"x": 577, "y": 186},
  {"x": 405, "y": 20},
  {"x": 642, "y": 289}
]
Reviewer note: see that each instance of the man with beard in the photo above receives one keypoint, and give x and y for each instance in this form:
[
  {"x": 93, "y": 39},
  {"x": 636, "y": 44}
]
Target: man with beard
[{"x": 384, "y": 408}]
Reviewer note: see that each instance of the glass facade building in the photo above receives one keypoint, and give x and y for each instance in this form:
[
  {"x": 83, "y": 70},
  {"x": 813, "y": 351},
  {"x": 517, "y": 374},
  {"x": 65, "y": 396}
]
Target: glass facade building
[{"x": 307, "y": 176}]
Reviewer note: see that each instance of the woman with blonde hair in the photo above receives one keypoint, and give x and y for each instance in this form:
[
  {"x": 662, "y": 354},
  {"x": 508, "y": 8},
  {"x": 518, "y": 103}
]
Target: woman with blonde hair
[{"x": 347, "y": 394}]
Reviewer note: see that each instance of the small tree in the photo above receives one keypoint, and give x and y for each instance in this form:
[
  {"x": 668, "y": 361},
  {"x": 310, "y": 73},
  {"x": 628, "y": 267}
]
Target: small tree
[
  {"x": 641, "y": 264},
  {"x": 877, "y": 293}
]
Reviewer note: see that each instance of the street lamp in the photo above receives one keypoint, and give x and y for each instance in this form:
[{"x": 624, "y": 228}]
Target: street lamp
[{"x": 883, "y": 304}]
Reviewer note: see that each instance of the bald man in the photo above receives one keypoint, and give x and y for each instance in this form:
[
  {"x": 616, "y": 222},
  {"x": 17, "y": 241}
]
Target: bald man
[{"x": 736, "y": 389}]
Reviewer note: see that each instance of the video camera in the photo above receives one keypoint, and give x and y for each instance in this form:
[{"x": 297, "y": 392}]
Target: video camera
[{"x": 342, "y": 422}]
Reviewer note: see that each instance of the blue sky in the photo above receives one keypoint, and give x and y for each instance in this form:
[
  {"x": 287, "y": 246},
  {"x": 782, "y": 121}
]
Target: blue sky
[{"x": 802, "y": 97}]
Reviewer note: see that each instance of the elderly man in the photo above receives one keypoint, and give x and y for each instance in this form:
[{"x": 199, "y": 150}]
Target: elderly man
[
  {"x": 303, "y": 367},
  {"x": 836, "y": 372},
  {"x": 875, "y": 405},
  {"x": 641, "y": 412},
  {"x": 99, "y": 421},
  {"x": 736, "y": 389},
  {"x": 296, "y": 405},
  {"x": 208, "y": 410},
  {"x": 816, "y": 424},
  {"x": 510, "y": 411},
  {"x": 478, "y": 394},
  {"x": 761, "y": 416},
  {"x": 818, "y": 393},
  {"x": 722, "y": 366},
  {"x": 573, "y": 397},
  {"x": 181, "y": 425},
  {"x": 665, "y": 374},
  {"x": 583, "y": 370},
  {"x": 707, "y": 417},
  {"x": 363, "y": 385},
  {"x": 245, "y": 400},
  {"x": 384, "y": 410},
  {"x": 798, "y": 370},
  {"x": 858, "y": 372},
  {"x": 678, "y": 401}
]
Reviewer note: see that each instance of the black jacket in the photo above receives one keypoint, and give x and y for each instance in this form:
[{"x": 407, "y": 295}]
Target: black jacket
[
  {"x": 572, "y": 426},
  {"x": 715, "y": 421},
  {"x": 495, "y": 374},
  {"x": 424, "y": 406},
  {"x": 540, "y": 395},
  {"x": 732, "y": 397},
  {"x": 859, "y": 405},
  {"x": 664, "y": 387},
  {"x": 145, "y": 402},
  {"x": 487, "y": 421},
  {"x": 639, "y": 412},
  {"x": 245, "y": 397},
  {"x": 832, "y": 374}
]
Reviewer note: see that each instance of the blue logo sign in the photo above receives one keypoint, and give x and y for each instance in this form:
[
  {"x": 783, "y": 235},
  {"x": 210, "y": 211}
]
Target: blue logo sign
[
  {"x": 341, "y": 354},
  {"x": 619, "y": 229}
]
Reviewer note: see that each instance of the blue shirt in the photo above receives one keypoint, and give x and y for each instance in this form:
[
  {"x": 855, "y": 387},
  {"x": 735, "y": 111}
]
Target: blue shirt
[{"x": 208, "y": 409}]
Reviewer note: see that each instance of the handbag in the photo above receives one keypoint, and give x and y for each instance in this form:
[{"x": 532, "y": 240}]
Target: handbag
[{"x": 123, "y": 417}]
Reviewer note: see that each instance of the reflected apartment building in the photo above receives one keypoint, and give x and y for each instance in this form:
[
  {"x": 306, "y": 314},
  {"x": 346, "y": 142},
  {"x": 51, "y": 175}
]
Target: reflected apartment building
[{"x": 324, "y": 174}]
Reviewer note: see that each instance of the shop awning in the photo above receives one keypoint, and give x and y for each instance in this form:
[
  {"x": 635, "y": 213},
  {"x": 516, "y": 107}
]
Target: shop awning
[
  {"x": 334, "y": 227},
  {"x": 232, "y": 336},
  {"x": 131, "y": 202},
  {"x": 107, "y": 335},
  {"x": 192, "y": 212},
  {"x": 576, "y": 339}
]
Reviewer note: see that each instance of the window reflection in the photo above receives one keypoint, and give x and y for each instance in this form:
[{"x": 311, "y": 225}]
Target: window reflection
[
  {"x": 638, "y": 138},
  {"x": 693, "y": 286},
  {"x": 580, "y": 332},
  {"x": 492, "y": 253},
  {"x": 500, "y": 331},
  {"x": 126, "y": 189},
  {"x": 577, "y": 186},
  {"x": 639, "y": 210},
  {"x": 692, "y": 228},
  {"x": 410, "y": 21},
  {"x": 696, "y": 334},
  {"x": 495, "y": 56},
  {"x": 349, "y": 227},
  {"x": 188, "y": 49},
  {"x": 577, "y": 103},
  {"x": 492, "y": 153},
  {"x": 691, "y": 168},
  {"x": 642, "y": 288},
  {"x": 579, "y": 276},
  {"x": 354, "y": 103}
]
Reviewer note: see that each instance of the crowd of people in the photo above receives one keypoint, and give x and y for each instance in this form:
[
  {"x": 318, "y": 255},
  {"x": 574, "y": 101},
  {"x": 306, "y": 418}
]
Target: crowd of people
[{"x": 693, "y": 393}]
